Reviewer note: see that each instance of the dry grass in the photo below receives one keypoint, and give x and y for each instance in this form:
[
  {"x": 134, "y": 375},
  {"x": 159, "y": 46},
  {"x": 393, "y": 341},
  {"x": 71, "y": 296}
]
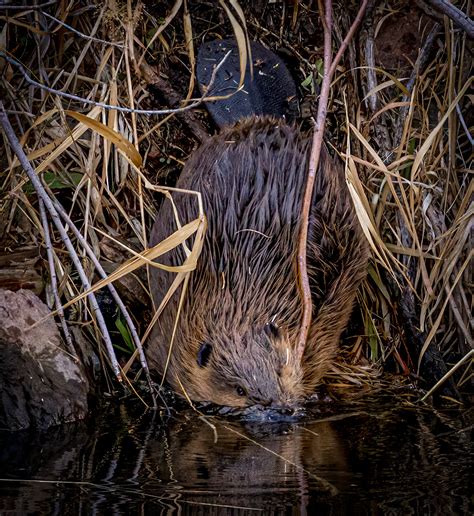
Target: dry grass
[{"x": 407, "y": 150}]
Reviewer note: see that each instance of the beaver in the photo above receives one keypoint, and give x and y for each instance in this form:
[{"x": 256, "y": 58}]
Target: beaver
[
  {"x": 269, "y": 90},
  {"x": 239, "y": 324}
]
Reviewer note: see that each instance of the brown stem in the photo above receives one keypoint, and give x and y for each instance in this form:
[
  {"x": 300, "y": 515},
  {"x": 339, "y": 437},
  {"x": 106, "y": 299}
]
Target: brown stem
[
  {"x": 348, "y": 38},
  {"x": 329, "y": 69},
  {"x": 460, "y": 19},
  {"x": 326, "y": 15}
]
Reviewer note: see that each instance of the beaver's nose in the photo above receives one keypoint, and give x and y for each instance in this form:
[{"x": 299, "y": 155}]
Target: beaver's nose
[{"x": 284, "y": 410}]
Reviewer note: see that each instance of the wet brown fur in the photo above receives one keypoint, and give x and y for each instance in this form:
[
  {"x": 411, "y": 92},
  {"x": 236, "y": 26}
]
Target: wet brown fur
[{"x": 243, "y": 298}]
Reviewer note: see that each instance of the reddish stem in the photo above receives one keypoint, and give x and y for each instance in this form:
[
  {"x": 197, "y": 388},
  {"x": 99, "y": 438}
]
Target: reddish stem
[
  {"x": 329, "y": 69},
  {"x": 348, "y": 38}
]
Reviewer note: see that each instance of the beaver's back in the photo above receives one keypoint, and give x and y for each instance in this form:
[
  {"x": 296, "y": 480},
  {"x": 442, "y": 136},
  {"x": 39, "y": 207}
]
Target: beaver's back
[{"x": 252, "y": 179}]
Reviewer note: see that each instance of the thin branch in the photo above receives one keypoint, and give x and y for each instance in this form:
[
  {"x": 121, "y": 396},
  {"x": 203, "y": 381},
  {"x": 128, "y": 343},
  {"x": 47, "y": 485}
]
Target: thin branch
[
  {"x": 54, "y": 281},
  {"x": 418, "y": 69},
  {"x": 460, "y": 19},
  {"x": 326, "y": 15},
  {"x": 463, "y": 123},
  {"x": 81, "y": 34},
  {"x": 121, "y": 109},
  {"x": 329, "y": 69},
  {"x": 131, "y": 326},
  {"x": 28, "y": 7},
  {"x": 83, "y": 100},
  {"x": 463, "y": 360},
  {"x": 348, "y": 38},
  {"x": 42, "y": 194},
  {"x": 382, "y": 135}
]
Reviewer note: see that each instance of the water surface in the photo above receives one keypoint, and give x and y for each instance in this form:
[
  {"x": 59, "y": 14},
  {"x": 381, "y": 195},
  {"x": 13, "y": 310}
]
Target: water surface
[{"x": 376, "y": 457}]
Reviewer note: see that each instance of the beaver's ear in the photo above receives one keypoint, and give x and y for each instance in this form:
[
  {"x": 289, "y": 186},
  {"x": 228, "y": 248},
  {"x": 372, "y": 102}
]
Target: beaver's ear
[{"x": 204, "y": 354}]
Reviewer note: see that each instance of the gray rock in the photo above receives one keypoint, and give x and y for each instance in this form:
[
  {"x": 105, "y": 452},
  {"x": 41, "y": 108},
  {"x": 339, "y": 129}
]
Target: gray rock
[{"x": 40, "y": 384}]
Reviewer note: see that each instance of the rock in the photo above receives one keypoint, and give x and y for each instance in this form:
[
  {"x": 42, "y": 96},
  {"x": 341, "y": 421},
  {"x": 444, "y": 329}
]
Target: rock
[
  {"x": 18, "y": 269},
  {"x": 40, "y": 384}
]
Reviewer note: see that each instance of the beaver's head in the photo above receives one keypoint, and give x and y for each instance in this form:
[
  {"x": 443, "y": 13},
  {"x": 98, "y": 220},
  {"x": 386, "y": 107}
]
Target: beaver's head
[{"x": 252, "y": 367}]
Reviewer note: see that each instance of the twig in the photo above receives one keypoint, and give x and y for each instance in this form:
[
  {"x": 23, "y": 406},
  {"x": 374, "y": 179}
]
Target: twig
[
  {"x": 348, "y": 38},
  {"x": 83, "y": 100},
  {"x": 368, "y": 31},
  {"x": 459, "y": 18},
  {"x": 121, "y": 109},
  {"x": 54, "y": 281},
  {"x": 381, "y": 132},
  {"x": 329, "y": 69},
  {"x": 448, "y": 374},
  {"x": 28, "y": 7},
  {"x": 42, "y": 194},
  {"x": 81, "y": 34},
  {"x": 326, "y": 16},
  {"x": 136, "y": 339},
  {"x": 463, "y": 123},
  {"x": 418, "y": 69}
]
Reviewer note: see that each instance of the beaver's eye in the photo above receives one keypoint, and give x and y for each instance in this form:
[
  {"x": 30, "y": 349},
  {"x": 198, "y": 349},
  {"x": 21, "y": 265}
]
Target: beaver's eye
[
  {"x": 204, "y": 354},
  {"x": 240, "y": 391},
  {"x": 272, "y": 331}
]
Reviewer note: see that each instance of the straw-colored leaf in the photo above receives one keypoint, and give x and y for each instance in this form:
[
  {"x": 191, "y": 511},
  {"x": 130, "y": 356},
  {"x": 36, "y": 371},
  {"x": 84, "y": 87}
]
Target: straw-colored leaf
[
  {"x": 113, "y": 136},
  {"x": 420, "y": 155},
  {"x": 240, "y": 33}
]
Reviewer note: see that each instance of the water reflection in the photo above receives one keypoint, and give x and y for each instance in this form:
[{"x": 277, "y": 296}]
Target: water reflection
[{"x": 361, "y": 459}]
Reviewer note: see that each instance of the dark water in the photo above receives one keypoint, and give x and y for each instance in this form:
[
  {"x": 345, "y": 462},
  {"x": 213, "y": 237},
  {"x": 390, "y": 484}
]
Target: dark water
[{"x": 370, "y": 458}]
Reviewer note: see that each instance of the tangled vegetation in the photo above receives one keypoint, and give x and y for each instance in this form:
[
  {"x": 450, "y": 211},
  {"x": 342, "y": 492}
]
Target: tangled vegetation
[{"x": 102, "y": 99}]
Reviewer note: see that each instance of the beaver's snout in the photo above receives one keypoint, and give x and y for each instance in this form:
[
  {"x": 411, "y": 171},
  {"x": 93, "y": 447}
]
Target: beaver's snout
[
  {"x": 249, "y": 366},
  {"x": 275, "y": 414}
]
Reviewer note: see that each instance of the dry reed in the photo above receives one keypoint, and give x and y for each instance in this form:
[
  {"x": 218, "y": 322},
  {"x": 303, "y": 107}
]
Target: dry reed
[{"x": 405, "y": 136}]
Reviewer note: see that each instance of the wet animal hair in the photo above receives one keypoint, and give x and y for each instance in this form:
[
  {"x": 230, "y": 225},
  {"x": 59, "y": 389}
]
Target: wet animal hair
[{"x": 236, "y": 337}]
